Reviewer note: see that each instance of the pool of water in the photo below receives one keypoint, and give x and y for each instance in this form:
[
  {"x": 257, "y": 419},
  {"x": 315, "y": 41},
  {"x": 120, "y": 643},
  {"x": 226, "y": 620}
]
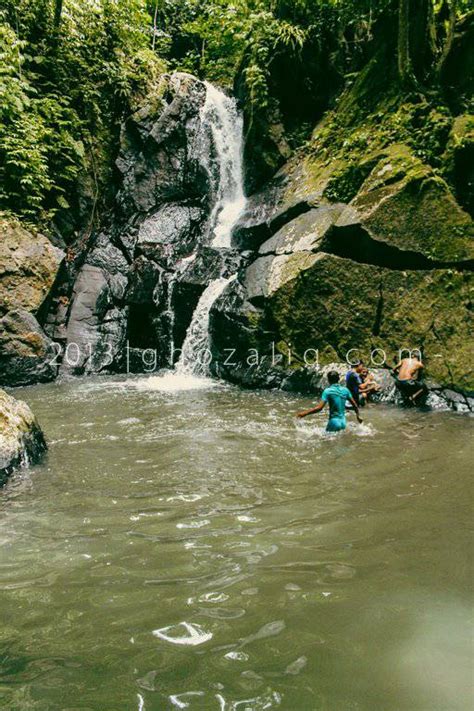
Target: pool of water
[{"x": 188, "y": 545}]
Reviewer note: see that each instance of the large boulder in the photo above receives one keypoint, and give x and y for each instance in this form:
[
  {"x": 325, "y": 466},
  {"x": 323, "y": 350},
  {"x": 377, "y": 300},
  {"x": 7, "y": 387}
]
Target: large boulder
[
  {"x": 121, "y": 295},
  {"x": 21, "y": 440},
  {"x": 158, "y": 161},
  {"x": 307, "y": 300},
  {"x": 28, "y": 267},
  {"x": 373, "y": 255},
  {"x": 363, "y": 240},
  {"x": 97, "y": 322},
  {"x": 27, "y": 355},
  {"x": 403, "y": 204}
]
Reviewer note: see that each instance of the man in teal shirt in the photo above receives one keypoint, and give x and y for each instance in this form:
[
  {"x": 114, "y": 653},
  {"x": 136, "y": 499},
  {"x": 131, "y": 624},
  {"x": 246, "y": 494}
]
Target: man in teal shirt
[{"x": 336, "y": 395}]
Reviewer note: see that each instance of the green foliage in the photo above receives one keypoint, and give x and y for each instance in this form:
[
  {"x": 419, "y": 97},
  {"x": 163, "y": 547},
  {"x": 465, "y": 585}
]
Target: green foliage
[
  {"x": 345, "y": 184},
  {"x": 72, "y": 69},
  {"x": 63, "y": 91}
]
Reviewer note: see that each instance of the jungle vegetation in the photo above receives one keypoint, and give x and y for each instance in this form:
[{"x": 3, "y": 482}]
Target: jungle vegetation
[{"x": 71, "y": 70}]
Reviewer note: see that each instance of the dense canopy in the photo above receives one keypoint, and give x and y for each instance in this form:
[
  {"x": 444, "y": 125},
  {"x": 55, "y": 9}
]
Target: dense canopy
[{"x": 72, "y": 69}]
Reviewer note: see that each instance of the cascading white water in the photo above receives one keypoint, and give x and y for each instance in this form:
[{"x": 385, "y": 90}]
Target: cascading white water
[
  {"x": 221, "y": 130},
  {"x": 221, "y": 117},
  {"x": 195, "y": 354}
]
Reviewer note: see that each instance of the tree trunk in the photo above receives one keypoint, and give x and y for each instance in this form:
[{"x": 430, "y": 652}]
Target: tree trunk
[
  {"x": 448, "y": 43},
  {"x": 58, "y": 9},
  {"x": 404, "y": 64}
]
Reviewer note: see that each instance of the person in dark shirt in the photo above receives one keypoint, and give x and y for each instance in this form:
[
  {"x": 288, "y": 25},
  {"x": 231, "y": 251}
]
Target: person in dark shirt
[{"x": 354, "y": 381}]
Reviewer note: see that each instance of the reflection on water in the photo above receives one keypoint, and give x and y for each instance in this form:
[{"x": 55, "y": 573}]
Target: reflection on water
[{"x": 198, "y": 548}]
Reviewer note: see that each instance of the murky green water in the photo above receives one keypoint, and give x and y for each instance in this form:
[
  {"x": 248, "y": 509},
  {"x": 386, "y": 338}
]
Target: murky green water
[{"x": 312, "y": 572}]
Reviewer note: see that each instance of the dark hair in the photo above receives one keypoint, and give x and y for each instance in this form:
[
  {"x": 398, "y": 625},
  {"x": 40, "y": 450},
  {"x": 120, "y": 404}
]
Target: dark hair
[
  {"x": 333, "y": 377},
  {"x": 357, "y": 363}
]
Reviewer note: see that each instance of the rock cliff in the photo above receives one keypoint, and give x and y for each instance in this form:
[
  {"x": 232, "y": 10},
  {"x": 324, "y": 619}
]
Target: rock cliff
[{"x": 361, "y": 242}]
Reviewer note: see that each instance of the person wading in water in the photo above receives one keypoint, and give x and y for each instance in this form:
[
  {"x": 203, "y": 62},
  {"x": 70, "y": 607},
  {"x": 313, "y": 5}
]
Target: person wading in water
[
  {"x": 354, "y": 382},
  {"x": 408, "y": 373},
  {"x": 336, "y": 395}
]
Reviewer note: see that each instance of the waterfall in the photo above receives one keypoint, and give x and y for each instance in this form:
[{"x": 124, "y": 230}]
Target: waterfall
[
  {"x": 171, "y": 319},
  {"x": 221, "y": 152},
  {"x": 221, "y": 119},
  {"x": 195, "y": 353}
]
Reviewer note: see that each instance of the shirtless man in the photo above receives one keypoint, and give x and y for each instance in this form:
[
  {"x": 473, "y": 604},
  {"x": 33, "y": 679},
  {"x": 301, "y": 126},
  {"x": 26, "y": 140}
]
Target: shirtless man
[
  {"x": 409, "y": 372},
  {"x": 369, "y": 385}
]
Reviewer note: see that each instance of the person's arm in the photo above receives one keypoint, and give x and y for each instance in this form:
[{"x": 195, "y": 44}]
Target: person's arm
[
  {"x": 318, "y": 408},
  {"x": 356, "y": 410},
  {"x": 396, "y": 368}
]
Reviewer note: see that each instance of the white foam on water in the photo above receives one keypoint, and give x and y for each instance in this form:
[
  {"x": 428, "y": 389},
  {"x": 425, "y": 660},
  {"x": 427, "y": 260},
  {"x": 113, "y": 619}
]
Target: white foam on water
[
  {"x": 194, "y": 634},
  {"x": 318, "y": 431},
  {"x": 178, "y": 699},
  {"x": 172, "y": 382},
  {"x": 361, "y": 430}
]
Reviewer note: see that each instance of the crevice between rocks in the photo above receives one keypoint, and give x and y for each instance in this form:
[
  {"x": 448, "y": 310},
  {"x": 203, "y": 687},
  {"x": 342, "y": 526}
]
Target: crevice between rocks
[
  {"x": 251, "y": 236},
  {"x": 355, "y": 243}
]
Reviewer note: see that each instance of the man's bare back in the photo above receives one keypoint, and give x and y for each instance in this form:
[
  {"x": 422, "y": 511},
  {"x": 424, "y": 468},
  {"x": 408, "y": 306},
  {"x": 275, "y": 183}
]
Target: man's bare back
[
  {"x": 409, "y": 373},
  {"x": 409, "y": 369}
]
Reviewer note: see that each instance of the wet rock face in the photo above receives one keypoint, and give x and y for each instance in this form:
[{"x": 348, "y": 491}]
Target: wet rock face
[
  {"x": 156, "y": 160},
  {"x": 27, "y": 355},
  {"x": 122, "y": 297},
  {"x": 21, "y": 440},
  {"x": 389, "y": 269},
  {"x": 331, "y": 254}
]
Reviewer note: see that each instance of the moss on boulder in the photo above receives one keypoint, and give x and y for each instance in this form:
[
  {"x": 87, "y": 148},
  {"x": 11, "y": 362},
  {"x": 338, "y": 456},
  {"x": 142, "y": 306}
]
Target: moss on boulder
[
  {"x": 337, "y": 303},
  {"x": 403, "y": 203},
  {"x": 21, "y": 439},
  {"x": 28, "y": 267}
]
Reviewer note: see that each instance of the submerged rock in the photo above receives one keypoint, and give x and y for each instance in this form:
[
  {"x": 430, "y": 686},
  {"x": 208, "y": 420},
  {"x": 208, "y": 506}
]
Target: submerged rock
[{"x": 21, "y": 440}]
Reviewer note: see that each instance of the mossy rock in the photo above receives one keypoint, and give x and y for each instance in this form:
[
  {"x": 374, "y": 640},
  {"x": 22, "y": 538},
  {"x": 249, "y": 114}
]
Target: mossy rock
[
  {"x": 21, "y": 439},
  {"x": 28, "y": 266},
  {"x": 342, "y": 305},
  {"x": 403, "y": 203},
  {"x": 304, "y": 233},
  {"x": 459, "y": 160}
]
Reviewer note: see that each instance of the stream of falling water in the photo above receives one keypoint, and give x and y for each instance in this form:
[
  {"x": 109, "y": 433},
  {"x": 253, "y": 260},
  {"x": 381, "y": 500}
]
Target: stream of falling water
[
  {"x": 222, "y": 123},
  {"x": 222, "y": 119},
  {"x": 195, "y": 354}
]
